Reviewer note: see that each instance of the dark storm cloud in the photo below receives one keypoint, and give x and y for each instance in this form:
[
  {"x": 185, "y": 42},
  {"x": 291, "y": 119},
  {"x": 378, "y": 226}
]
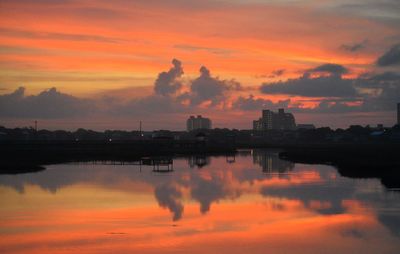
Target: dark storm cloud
[
  {"x": 330, "y": 86},
  {"x": 366, "y": 93},
  {"x": 385, "y": 96},
  {"x": 383, "y": 80},
  {"x": 333, "y": 106},
  {"x": 333, "y": 69},
  {"x": 47, "y": 104},
  {"x": 386, "y": 76},
  {"x": 153, "y": 104},
  {"x": 167, "y": 82},
  {"x": 386, "y": 86},
  {"x": 252, "y": 103},
  {"x": 391, "y": 57}
]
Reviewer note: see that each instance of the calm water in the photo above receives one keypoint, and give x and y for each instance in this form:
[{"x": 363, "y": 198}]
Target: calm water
[{"x": 252, "y": 203}]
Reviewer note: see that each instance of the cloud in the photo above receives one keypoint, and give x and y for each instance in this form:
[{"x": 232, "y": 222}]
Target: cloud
[
  {"x": 380, "y": 92},
  {"x": 273, "y": 74},
  {"x": 164, "y": 100},
  {"x": 381, "y": 80},
  {"x": 55, "y": 36},
  {"x": 385, "y": 12},
  {"x": 332, "y": 69},
  {"x": 366, "y": 93},
  {"x": 47, "y": 104},
  {"x": 330, "y": 86},
  {"x": 167, "y": 83},
  {"x": 278, "y": 72},
  {"x": 386, "y": 76},
  {"x": 354, "y": 47},
  {"x": 391, "y": 57},
  {"x": 208, "y": 88},
  {"x": 334, "y": 106},
  {"x": 191, "y": 48},
  {"x": 252, "y": 103},
  {"x": 153, "y": 104},
  {"x": 166, "y": 104}
]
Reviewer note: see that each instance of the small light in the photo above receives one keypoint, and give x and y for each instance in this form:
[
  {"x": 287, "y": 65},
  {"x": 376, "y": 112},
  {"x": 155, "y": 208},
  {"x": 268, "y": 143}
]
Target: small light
[{"x": 110, "y": 140}]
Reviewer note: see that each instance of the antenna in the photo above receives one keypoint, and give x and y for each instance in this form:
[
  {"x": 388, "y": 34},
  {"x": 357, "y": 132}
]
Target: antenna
[{"x": 140, "y": 129}]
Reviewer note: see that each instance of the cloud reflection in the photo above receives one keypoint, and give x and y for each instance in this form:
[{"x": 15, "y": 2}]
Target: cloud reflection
[
  {"x": 169, "y": 196},
  {"x": 213, "y": 183}
]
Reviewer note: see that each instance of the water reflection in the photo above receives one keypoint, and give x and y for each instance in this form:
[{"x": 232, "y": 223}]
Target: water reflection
[
  {"x": 270, "y": 162},
  {"x": 234, "y": 203},
  {"x": 199, "y": 161}
]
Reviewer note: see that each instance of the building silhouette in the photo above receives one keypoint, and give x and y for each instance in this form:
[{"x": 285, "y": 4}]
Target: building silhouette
[
  {"x": 398, "y": 113},
  {"x": 199, "y": 122},
  {"x": 306, "y": 126},
  {"x": 275, "y": 121}
]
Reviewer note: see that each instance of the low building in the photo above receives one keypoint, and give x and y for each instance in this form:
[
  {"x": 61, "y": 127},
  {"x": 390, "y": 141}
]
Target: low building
[
  {"x": 275, "y": 121},
  {"x": 199, "y": 122}
]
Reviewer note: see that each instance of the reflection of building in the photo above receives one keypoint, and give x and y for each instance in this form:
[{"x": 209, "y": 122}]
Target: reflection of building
[
  {"x": 194, "y": 123},
  {"x": 230, "y": 159},
  {"x": 199, "y": 161},
  {"x": 160, "y": 164},
  {"x": 275, "y": 121},
  {"x": 270, "y": 162}
]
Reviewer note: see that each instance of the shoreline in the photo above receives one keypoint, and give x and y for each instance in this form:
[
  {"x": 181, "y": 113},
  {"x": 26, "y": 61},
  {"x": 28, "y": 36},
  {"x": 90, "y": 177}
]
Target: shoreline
[{"x": 355, "y": 160}]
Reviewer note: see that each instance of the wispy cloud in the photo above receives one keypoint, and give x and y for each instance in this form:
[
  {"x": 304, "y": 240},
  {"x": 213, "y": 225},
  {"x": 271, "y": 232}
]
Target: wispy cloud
[{"x": 56, "y": 36}]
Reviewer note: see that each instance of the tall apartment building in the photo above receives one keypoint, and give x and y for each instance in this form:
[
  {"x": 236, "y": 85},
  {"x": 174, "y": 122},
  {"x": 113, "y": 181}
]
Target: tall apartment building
[
  {"x": 275, "y": 121},
  {"x": 199, "y": 122},
  {"x": 398, "y": 113}
]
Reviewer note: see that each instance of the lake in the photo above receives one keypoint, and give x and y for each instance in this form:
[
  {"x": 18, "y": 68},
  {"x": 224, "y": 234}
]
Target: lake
[{"x": 249, "y": 202}]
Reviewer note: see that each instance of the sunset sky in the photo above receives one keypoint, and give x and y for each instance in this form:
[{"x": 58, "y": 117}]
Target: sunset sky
[{"x": 109, "y": 64}]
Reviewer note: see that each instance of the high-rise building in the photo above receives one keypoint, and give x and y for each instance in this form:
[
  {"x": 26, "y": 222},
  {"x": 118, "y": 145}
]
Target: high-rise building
[
  {"x": 398, "y": 113},
  {"x": 275, "y": 121},
  {"x": 199, "y": 122}
]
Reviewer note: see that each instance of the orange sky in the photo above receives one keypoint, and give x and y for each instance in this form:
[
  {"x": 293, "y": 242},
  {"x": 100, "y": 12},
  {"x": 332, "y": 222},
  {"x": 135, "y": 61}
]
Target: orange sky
[
  {"x": 86, "y": 48},
  {"x": 133, "y": 41}
]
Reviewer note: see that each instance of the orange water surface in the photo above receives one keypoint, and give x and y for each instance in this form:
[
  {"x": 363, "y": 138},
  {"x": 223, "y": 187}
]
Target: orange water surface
[{"x": 252, "y": 202}]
